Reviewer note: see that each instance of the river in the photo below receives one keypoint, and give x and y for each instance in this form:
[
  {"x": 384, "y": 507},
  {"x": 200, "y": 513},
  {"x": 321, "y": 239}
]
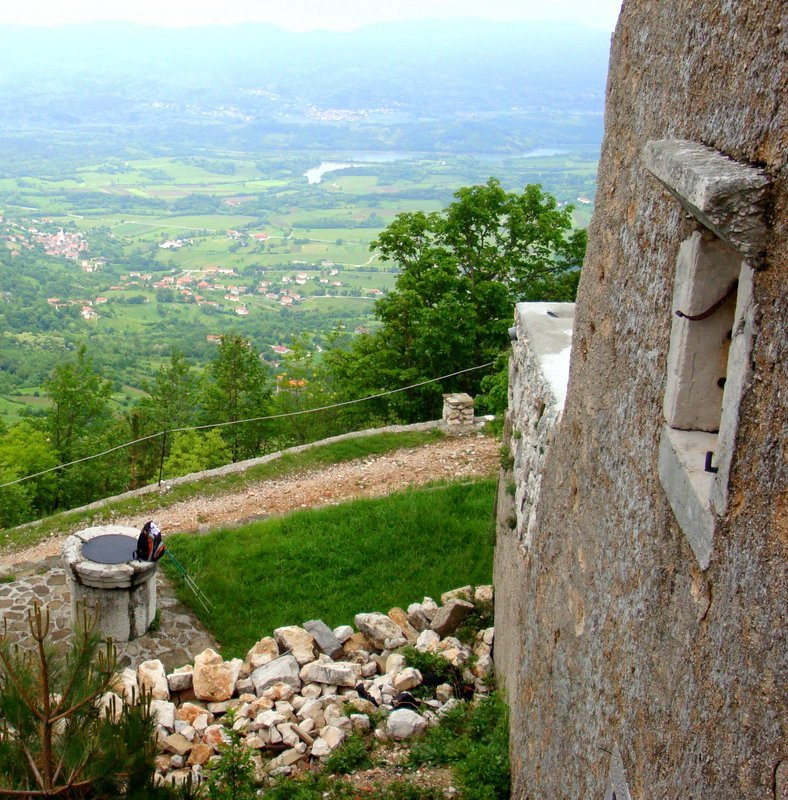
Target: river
[{"x": 360, "y": 159}]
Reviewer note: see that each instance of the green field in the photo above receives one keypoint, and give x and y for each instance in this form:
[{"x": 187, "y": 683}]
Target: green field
[
  {"x": 366, "y": 555},
  {"x": 126, "y": 209}
]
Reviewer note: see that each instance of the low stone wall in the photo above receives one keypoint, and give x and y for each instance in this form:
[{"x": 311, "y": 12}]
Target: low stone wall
[
  {"x": 538, "y": 374},
  {"x": 242, "y": 466}
]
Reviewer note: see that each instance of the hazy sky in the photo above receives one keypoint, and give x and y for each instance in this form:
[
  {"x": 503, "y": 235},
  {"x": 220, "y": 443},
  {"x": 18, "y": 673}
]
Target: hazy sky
[{"x": 304, "y": 14}]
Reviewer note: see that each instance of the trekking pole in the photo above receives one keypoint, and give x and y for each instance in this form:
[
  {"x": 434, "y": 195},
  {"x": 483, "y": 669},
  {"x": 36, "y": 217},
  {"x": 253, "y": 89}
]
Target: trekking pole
[{"x": 187, "y": 579}]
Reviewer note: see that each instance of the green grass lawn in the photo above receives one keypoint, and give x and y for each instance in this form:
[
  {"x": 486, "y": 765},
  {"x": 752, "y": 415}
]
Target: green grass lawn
[{"x": 365, "y": 555}]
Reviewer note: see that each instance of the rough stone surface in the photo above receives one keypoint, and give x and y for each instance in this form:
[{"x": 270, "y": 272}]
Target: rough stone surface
[
  {"x": 404, "y": 723},
  {"x": 324, "y": 638},
  {"x": 379, "y": 629},
  {"x": 177, "y": 743},
  {"x": 260, "y": 653},
  {"x": 409, "y": 678},
  {"x": 297, "y": 641},
  {"x": 400, "y": 619},
  {"x": 448, "y": 617},
  {"x": 281, "y": 670},
  {"x": 726, "y": 196},
  {"x": 609, "y": 637},
  {"x": 343, "y": 633},
  {"x": 214, "y": 678},
  {"x": 457, "y": 409},
  {"x": 181, "y": 679},
  {"x": 199, "y": 754},
  {"x": 152, "y": 678},
  {"x": 356, "y": 643},
  {"x": 335, "y": 673},
  {"x": 164, "y": 713},
  {"x": 427, "y": 641},
  {"x": 538, "y": 374}
]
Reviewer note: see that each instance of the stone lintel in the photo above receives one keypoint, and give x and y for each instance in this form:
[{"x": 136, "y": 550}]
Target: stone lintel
[{"x": 724, "y": 195}]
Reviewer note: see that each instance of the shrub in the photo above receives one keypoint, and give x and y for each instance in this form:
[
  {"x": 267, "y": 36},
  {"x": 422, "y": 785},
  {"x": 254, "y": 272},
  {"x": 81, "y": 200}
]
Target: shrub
[
  {"x": 435, "y": 670},
  {"x": 233, "y": 777},
  {"x": 353, "y": 754},
  {"x": 54, "y": 738},
  {"x": 474, "y": 738},
  {"x": 482, "y": 617}
]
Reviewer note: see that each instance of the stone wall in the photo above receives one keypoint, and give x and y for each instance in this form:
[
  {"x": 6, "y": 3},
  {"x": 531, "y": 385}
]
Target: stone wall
[
  {"x": 538, "y": 373},
  {"x": 629, "y": 666}
]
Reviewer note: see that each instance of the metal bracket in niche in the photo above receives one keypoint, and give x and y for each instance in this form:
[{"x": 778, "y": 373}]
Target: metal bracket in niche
[{"x": 712, "y": 308}]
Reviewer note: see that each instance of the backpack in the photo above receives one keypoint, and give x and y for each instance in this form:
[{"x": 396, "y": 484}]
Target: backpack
[{"x": 150, "y": 546}]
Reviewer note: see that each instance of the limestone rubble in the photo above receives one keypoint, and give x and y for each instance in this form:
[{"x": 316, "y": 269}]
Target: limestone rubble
[{"x": 293, "y": 703}]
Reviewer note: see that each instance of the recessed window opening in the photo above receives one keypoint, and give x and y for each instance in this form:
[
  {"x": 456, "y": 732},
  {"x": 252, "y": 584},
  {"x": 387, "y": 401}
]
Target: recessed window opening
[
  {"x": 704, "y": 305},
  {"x": 712, "y": 329}
]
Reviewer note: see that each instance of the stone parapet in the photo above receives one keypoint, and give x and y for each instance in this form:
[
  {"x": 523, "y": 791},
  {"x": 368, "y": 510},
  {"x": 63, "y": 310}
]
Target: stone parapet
[
  {"x": 538, "y": 376},
  {"x": 457, "y": 409}
]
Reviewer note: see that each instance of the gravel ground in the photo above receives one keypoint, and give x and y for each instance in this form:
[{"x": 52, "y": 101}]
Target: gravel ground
[{"x": 451, "y": 458}]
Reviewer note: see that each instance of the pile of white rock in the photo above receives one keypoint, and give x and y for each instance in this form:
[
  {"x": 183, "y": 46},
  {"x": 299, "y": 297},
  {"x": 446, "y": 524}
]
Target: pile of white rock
[{"x": 297, "y": 695}]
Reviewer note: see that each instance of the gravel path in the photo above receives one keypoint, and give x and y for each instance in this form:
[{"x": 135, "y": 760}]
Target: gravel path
[{"x": 451, "y": 458}]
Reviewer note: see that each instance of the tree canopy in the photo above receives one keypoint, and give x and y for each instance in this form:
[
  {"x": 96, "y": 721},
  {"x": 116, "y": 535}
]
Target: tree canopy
[{"x": 462, "y": 270}]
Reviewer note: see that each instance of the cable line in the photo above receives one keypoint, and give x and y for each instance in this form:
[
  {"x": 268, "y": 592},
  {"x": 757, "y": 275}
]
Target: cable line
[{"x": 242, "y": 422}]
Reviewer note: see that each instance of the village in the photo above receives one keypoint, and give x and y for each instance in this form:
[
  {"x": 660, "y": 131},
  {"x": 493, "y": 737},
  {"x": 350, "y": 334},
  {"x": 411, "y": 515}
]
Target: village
[{"x": 205, "y": 286}]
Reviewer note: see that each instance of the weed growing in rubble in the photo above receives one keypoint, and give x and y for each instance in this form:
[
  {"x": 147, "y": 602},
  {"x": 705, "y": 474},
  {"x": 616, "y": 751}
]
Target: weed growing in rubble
[
  {"x": 474, "y": 739},
  {"x": 351, "y": 755},
  {"x": 233, "y": 777}
]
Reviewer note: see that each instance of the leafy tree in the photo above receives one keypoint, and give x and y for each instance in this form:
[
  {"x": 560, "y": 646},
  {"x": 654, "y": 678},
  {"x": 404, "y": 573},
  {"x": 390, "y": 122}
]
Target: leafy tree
[
  {"x": 194, "y": 451},
  {"x": 303, "y": 382},
  {"x": 16, "y": 502},
  {"x": 24, "y": 450},
  {"x": 78, "y": 424},
  {"x": 461, "y": 271},
  {"x": 237, "y": 388},
  {"x": 171, "y": 402},
  {"x": 79, "y": 398}
]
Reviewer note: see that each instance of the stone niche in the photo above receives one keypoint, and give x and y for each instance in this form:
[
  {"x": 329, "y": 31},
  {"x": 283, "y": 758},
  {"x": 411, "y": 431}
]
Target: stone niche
[
  {"x": 713, "y": 328},
  {"x": 122, "y": 596}
]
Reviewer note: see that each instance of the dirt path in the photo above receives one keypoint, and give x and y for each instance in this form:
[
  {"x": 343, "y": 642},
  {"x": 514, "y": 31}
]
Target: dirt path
[{"x": 452, "y": 458}]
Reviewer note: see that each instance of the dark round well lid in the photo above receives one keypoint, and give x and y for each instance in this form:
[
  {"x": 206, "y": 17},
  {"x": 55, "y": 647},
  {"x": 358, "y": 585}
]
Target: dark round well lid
[{"x": 113, "y": 548}]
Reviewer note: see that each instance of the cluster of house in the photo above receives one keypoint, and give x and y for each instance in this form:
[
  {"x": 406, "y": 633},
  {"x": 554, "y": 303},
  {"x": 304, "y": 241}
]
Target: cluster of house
[
  {"x": 87, "y": 307},
  {"x": 26, "y": 235},
  {"x": 259, "y": 236},
  {"x": 175, "y": 244}
]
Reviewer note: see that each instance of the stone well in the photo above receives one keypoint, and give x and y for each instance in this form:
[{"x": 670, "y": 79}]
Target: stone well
[{"x": 121, "y": 595}]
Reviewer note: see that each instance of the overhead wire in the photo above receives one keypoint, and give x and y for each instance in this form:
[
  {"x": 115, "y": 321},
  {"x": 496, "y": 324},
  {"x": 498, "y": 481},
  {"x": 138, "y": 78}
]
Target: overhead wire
[{"x": 242, "y": 422}]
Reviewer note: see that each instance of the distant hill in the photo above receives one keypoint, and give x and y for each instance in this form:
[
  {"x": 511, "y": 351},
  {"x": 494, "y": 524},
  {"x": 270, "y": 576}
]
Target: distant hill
[{"x": 260, "y": 81}]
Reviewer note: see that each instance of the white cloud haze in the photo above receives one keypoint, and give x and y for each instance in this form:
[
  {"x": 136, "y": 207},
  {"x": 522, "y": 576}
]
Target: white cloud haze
[{"x": 304, "y": 15}]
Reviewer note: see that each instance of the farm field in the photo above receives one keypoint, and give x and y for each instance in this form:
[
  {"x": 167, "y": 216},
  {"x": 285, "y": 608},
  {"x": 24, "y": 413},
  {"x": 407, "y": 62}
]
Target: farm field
[{"x": 172, "y": 251}]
